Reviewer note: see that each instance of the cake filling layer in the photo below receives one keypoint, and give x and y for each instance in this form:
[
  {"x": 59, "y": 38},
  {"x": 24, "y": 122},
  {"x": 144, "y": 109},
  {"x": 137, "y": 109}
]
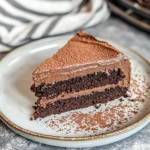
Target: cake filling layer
[
  {"x": 44, "y": 100},
  {"x": 79, "y": 83},
  {"x": 83, "y": 101}
]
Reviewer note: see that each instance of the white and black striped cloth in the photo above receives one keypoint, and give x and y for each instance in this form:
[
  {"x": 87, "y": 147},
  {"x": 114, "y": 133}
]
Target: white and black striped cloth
[{"x": 22, "y": 21}]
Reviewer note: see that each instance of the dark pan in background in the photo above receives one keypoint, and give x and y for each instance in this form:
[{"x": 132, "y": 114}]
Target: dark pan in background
[{"x": 132, "y": 12}]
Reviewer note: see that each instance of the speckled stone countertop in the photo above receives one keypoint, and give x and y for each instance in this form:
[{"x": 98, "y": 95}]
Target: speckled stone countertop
[{"x": 118, "y": 31}]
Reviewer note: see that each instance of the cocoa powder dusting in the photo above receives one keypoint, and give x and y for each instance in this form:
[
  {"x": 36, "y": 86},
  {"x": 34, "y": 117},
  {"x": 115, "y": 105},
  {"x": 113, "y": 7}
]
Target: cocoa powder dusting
[
  {"x": 82, "y": 44},
  {"x": 112, "y": 117},
  {"x": 93, "y": 121}
]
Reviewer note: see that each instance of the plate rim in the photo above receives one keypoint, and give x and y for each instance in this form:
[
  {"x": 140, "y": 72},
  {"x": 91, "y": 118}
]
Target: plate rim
[{"x": 105, "y": 135}]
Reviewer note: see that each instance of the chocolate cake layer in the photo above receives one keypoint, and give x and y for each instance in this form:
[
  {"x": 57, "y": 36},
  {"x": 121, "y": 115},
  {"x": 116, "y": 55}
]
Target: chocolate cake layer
[
  {"x": 79, "y": 83},
  {"x": 83, "y": 101},
  {"x": 43, "y": 101}
]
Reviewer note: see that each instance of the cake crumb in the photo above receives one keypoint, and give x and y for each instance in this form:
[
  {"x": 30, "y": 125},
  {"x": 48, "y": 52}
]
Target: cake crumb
[{"x": 97, "y": 106}]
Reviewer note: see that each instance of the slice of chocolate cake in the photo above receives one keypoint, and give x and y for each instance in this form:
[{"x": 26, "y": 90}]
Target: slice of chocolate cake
[{"x": 84, "y": 72}]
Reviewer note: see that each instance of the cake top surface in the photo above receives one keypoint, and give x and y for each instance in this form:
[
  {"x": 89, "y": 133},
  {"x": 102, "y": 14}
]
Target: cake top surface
[{"x": 81, "y": 49}]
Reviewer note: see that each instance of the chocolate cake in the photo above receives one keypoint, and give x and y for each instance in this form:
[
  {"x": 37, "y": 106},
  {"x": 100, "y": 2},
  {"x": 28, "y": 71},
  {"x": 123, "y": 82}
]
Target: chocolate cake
[{"x": 83, "y": 73}]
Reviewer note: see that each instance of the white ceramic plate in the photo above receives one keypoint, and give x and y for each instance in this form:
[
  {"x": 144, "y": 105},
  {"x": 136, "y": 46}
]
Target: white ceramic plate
[{"x": 112, "y": 122}]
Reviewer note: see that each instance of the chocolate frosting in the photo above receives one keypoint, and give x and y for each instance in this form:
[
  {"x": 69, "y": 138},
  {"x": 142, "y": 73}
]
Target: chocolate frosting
[
  {"x": 82, "y": 54},
  {"x": 81, "y": 49}
]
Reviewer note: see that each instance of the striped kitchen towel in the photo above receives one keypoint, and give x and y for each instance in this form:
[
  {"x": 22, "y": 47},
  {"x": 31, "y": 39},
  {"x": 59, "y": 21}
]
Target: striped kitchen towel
[{"x": 22, "y": 21}]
